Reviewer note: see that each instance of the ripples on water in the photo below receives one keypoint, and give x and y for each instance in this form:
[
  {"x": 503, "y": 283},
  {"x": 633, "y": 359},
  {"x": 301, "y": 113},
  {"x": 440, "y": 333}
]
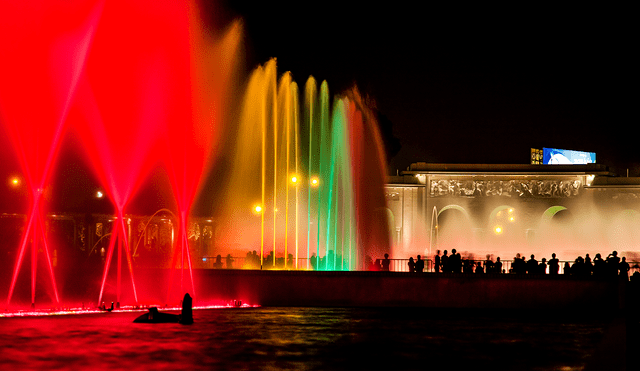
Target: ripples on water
[{"x": 301, "y": 338}]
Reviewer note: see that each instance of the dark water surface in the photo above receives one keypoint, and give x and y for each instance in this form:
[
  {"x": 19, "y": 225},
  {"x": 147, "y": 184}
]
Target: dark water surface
[{"x": 302, "y": 338}]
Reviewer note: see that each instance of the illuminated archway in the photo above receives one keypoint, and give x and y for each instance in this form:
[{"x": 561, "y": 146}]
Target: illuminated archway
[
  {"x": 501, "y": 217},
  {"x": 549, "y": 213},
  {"x": 453, "y": 228},
  {"x": 455, "y": 207}
]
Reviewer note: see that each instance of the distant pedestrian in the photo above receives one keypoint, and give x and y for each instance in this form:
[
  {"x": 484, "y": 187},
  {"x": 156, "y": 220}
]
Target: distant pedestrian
[
  {"x": 436, "y": 262},
  {"x": 445, "y": 262},
  {"x": 488, "y": 265},
  {"x": 385, "y": 263},
  {"x": 624, "y": 268},
  {"x": 419, "y": 265},
  {"x": 542, "y": 267},
  {"x": 599, "y": 265},
  {"x": 554, "y": 265},
  {"x": 412, "y": 265},
  {"x": 532, "y": 265},
  {"x": 613, "y": 262},
  {"x": 229, "y": 261}
]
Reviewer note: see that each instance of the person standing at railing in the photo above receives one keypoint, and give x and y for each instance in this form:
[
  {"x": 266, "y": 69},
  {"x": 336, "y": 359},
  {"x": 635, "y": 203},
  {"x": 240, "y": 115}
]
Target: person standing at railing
[
  {"x": 554, "y": 265},
  {"x": 532, "y": 265},
  {"x": 542, "y": 267},
  {"x": 599, "y": 265},
  {"x": 419, "y": 265},
  {"x": 455, "y": 261},
  {"x": 488, "y": 265},
  {"x": 436, "y": 260},
  {"x": 385, "y": 263},
  {"x": 613, "y": 262},
  {"x": 624, "y": 268},
  {"x": 412, "y": 265},
  {"x": 497, "y": 266}
]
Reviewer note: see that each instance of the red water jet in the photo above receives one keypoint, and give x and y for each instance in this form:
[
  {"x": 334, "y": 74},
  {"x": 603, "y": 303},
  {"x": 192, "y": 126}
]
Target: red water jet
[
  {"x": 42, "y": 62},
  {"x": 369, "y": 168}
]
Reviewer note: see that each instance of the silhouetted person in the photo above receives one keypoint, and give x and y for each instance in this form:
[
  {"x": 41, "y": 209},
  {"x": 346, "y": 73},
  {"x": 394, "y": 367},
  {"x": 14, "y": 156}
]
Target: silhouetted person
[
  {"x": 412, "y": 265},
  {"x": 419, "y": 265},
  {"x": 588, "y": 265},
  {"x": 479, "y": 268},
  {"x": 554, "y": 265},
  {"x": 218, "y": 263},
  {"x": 518, "y": 265},
  {"x": 599, "y": 265},
  {"x": 612, "y": 263},
  {"x": 436, "y": 262},
  {"x": 229, "y": 261},
  {"x": 532, "y": 265},
  {"x": 624, "y": 268},
  {"x": 488, "y": 265},
  {"x": 498, "y": 265},
  {"x": 445, "y": 262},
  {"x": 577, "y": 268},
  {"x": 468, "y": 265},
  {"x": 567, "y": 268},
  {"x": 455, "y": 261},
  {"x": 542, "y": 267},
  {"x": 186, "y": 317},
  {"x": 385, "y": 263}
]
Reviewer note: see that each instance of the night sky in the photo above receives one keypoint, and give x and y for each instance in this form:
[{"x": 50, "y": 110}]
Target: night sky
[
  {"x": 453, "y": 84},
  {"x": 467, "y": 85}
]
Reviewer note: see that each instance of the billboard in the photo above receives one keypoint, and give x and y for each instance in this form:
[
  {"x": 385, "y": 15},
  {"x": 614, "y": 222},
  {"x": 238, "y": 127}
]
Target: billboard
[{"x": 555, "y": 156}]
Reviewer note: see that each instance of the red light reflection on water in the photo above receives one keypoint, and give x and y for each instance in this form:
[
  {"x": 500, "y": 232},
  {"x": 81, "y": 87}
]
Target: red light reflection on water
[{"x": 124, "y": 309}]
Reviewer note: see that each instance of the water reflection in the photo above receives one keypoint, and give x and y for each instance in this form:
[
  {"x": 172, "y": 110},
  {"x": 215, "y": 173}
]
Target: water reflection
[{"x": 302, "y": 338}]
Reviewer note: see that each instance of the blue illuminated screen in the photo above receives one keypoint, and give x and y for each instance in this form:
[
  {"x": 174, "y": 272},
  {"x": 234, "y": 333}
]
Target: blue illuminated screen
[{"x": 555, "y": 156}]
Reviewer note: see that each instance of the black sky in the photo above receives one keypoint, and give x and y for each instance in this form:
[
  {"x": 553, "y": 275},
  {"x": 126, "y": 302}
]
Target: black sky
[{"x": 461, "y": 84}]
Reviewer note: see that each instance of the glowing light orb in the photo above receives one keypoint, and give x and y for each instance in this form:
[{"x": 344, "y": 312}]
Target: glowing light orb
[
  {"x": 498, "y": 229},
  {"x": 294, "y": 179},
  {"x": 15, "y": 181},
  {"x": 99, "y": 194},
  {"x": 314, "y": 181},
  {"x": 257, "y": 209}
]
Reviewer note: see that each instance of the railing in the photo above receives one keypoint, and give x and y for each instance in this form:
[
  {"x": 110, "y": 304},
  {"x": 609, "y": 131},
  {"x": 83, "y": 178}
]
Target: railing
[{"x": 395, "y": 265}]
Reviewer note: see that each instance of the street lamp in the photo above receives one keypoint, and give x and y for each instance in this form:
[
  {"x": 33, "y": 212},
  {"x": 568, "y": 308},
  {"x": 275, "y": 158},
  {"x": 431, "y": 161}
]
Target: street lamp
[
  {"x": 294, "y": 179},
  {"x": 14, "y": 181},
  {"x": 257, "y": 209}
]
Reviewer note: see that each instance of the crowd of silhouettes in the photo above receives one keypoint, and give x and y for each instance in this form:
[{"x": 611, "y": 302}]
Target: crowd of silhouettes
[{"x": 454, "y": 263}]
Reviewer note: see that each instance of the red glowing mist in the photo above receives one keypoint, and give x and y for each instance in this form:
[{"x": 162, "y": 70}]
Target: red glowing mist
[
  {"x": 152, "y": 92},
  {"x": 193, "y": 122},
  {"x": 368, "y": 171},
  {"x": 41, "y": 64},
  {"x": 137, "y": 80}
]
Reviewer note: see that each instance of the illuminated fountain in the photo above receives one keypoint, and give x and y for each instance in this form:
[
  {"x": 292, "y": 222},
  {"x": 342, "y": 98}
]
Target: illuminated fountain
[
  {"x": 321, "y": 171},
  {"x": 143, "y": 86},
  {"x": 37, "y": 69},
  {"x": 139, "y": 84}
]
